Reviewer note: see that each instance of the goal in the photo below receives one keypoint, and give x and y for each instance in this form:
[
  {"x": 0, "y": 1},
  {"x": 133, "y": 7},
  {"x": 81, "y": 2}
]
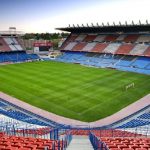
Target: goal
[{"x": 131, "y": 85}]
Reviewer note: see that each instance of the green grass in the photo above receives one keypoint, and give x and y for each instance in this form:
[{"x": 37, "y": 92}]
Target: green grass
[{"x": 73, "y": 91}]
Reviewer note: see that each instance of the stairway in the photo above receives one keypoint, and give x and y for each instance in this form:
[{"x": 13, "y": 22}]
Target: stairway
[{"x": 80, "y": 143}]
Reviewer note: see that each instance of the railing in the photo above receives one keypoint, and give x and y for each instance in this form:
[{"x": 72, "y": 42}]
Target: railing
[
  {"x": 97, "y": 143},
  {"x": 131, "y": 132},
  {"x": 138, "y": 132},
  {"x": 60, "y": 142}
]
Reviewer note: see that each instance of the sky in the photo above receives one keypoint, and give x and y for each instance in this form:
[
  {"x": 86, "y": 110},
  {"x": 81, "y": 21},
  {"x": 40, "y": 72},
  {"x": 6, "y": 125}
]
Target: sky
[{"x": 37, "y": 16}]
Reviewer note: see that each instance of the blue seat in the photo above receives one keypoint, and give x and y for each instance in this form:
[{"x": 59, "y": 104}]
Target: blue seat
[
  {"x": 145, "y": 116},
  {"x": 120, "y": 62},
  {"x": 18, "y": 56},
  {"x": 134, "y": 123},
  {"x": 26, "y": 116}
]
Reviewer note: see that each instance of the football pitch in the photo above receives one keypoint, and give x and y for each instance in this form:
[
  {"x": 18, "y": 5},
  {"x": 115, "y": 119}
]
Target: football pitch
[{"x": 71, "y": 90}]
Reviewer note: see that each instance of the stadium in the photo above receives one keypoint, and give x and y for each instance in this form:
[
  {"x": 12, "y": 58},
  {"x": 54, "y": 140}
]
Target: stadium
[
  {"x": 90, "y": 91},
  {"x": 49, "y": 102}
]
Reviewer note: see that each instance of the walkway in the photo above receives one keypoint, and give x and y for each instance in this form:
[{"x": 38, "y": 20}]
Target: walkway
[{"x": 80, "y": 143}]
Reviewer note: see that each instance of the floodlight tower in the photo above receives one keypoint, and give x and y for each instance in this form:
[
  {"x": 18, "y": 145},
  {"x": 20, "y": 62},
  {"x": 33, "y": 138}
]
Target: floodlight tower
[{"x": 12, "y": 30}]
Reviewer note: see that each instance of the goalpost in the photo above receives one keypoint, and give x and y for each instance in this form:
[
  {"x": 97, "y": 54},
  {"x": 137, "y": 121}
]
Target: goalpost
[{"x": 131, "y": 85}]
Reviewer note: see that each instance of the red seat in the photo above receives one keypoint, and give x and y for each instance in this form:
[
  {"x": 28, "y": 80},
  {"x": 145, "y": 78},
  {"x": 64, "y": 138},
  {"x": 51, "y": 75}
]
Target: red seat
[
  {"x": 112, "y": 146},
  {"x": 99, "y": 47},
  {"x": 134, "y": 146},
  {"x": 79, "y": 47},
  {"x": 131, "y": 38},
  {"x": 123, "y": 146},
  {"x": 127, "y": 149},
  {"x": 141, "y": 149},
  {"x": 114, "y": 149},
  {"x": 41, "y": 147}
]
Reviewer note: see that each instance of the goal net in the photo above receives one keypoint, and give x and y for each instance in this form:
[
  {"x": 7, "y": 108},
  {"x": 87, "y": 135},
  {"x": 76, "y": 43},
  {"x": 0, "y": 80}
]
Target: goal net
[{"x": 129, "y": 86}]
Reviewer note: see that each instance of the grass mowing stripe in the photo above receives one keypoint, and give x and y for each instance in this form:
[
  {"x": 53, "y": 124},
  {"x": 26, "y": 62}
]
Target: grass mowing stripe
[{"x": 71, "y": 90}]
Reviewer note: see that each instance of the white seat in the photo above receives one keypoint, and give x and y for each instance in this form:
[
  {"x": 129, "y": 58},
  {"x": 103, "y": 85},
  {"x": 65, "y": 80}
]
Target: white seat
[
  {"x": 112, "y": 48},
  {"x": 139, "y": 49}
]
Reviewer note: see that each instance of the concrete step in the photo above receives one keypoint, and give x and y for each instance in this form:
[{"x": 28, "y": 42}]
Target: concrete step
[{"x": 80, "y": 143}]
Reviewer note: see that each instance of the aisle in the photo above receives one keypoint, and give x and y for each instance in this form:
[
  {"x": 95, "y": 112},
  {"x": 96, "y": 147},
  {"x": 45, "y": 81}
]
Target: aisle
[{"x": 80, "y": 143}]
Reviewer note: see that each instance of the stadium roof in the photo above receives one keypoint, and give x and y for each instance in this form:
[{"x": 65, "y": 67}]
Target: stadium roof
[
  {"x": 11, "y": 33},
  {"x": 108, "y": 29}
]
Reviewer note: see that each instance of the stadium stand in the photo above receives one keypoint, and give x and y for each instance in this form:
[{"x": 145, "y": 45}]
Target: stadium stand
[
  {"x": 11, "y": 51},
  {"x": 145, "y": 116},
  {"x": 29, "y": 143},
  {"x": 99, "y": 47},
  {"x": 19, "y": 125},
  {"x": 80, "y": 37},
  {"x": 111, "y": 38},
  {"x": 99, "y": 38},
  {"x": 72, "y": 37},
  {"x": 106, "y": 133},
  {"x": 141, "y": 62},
  {"x": 117, "y": 143},
  {"x": 120, "y": 38},
  {"x": 126, "y": 61},
  {"x": 3, "y": 45},
  {"x": 147, "y": 52},
  {"x": 70, "y": 46},
  {"x": 17, "y": 57},
  {"x": 15, "y": 112},
  {"x": 139, "y": 49},
  {"x": 143, "y": 39},
  {"x": 79, "y": 46},
  {"x": 17, "y": 44},
  {"x": 14, "y": 134},
  {"x": 89, "y": 38},
  {"x": 131, "y": 38},
  {"x": 127, "y": 50},
  {"x": 116, "y": 47},
  {"x": 134, "y": 121},
  {"x": 112, "y": 48},
  {"x": 120, "y": 62},
  {"x": 126, "y": 143},
  {"x": 21, "y": 129},
  {"x": 89, "y": 46},
  {"x": 110, "y": 133},
  {"x": 12, "y": 43}
]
